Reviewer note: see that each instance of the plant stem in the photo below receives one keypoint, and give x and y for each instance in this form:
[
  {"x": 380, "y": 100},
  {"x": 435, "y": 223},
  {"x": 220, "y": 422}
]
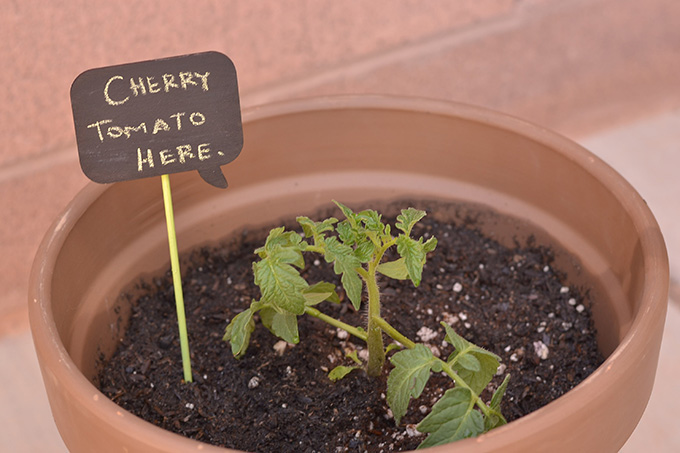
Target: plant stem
[
  {"x": 176, "y": 278},
  {"x": 336, "y": 323},
  {"x": 394, "y": 333},
  {"x": 376, "y": 347}
]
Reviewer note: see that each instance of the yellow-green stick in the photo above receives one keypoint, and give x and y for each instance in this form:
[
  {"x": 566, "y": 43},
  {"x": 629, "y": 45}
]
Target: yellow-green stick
[{"x": 176, "y": 278}]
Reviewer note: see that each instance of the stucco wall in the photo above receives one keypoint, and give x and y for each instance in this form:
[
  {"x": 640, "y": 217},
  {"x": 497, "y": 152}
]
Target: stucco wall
[{"x": 571, "y": 65}]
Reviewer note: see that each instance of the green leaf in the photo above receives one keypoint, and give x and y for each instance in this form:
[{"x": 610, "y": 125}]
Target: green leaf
[
  {"x": 499, "y": 393},
  {"x": 340, "y": 372},
  {"x": 393, "y": 347},
  {"x": 352, "y": 284},
  {"x": 238, "y": 331},
  {"x": 280, "y": 284},
  {"x": 496, "y": 419},
  {"x": 285, "y": 246},
  {"x": 408, "y": 378},
  {"x": 345, "y": 263},
  {"x": 469, "y": 362},
  {"x": 320, "y": 292},
  {"x": 364, "y": 251},
  {"x": 387, "y": 236},
  {"x": 430, "y": 245},
  {"x": 394, "y": 269},
  {"x": 371, "y": 220},
  {"x": 477, "y": 374},
  {"x": 408, "y": 218},
  {"x": 453, "y": 417},
  {"x": 414, "y": 255},
  {"x": 285, "y": 326},
  {"x": 355, "y": 358},
  {"x": 346, "y": 233},
  {"x": 282, "y": 324},
  {"x": 347, "y": 212},
  {"x": 314, "y": 229}
]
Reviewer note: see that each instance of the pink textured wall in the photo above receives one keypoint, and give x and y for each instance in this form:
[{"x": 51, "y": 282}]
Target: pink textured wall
[{"x": 573, "y": 65}]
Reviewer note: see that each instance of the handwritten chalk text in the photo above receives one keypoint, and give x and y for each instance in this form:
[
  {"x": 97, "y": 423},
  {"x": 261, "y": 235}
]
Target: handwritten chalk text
[
  {"x": 159, "y": 125},
  {"x": 141, "y": 86},
  {"x": 179, "y": 155}
]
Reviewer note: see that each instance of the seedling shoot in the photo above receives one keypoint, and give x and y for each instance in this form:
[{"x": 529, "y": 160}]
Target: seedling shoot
[{"x": 356, "y": 247}]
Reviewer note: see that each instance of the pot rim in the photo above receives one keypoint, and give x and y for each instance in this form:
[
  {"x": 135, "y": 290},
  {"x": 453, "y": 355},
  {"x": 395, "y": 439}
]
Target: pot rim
[{"x": 47, "y": 339}]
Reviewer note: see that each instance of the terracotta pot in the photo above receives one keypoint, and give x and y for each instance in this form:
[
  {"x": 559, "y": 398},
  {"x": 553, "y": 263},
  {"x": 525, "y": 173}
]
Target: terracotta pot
[{"x": 302, "y": 154}]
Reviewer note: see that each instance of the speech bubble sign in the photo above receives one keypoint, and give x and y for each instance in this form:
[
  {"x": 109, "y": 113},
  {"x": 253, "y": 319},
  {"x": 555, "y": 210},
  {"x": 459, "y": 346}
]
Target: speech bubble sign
[{"x": 158, "y": 117}]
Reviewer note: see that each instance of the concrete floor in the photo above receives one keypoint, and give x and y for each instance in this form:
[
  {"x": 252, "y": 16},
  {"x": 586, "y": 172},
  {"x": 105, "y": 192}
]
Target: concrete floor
[{"x": 646, "y": 152}]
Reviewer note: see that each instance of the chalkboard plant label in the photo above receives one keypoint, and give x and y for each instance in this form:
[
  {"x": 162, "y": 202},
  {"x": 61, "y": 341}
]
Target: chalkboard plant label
[{"x": 158, "y": 117}]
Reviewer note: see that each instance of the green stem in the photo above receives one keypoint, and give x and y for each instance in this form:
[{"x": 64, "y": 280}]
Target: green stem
[
  {"x": 394, "y": 333},
  {"x": 176, "y": 278},
  {"x": 336, "y": 323},
  {"x": 376, "y": 347}
]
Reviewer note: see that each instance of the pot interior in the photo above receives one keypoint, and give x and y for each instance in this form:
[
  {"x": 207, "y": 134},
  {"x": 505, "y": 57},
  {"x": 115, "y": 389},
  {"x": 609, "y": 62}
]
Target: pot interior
[{"x": 104, "y": 313}]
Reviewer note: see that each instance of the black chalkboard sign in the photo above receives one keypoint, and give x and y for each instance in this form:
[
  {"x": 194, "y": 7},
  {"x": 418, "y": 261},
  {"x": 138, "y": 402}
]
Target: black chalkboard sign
[{"x": 158, "y": 117}]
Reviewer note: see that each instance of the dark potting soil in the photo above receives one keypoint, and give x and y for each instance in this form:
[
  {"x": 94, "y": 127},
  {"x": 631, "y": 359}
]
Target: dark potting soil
[{"x": 278, "y": 397}]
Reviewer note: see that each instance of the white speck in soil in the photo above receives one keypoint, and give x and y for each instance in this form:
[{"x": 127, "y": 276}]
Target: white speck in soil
[
  {"x": 564, "y": 290},
  {"x": 363, "y": 354},
  {"x": 546, "y": 269},
  {"x": 280, "y": 347},
  {"x": 189, "y": 405},
  {"x": 411, "y": 431},
  {"x": 541, "y": 350},
  {"x": 449, "y": 318},
  {"x": 501, "y": 369},
  {"x": 342, "y": 334},
  {"x": 426, "y": 334},
  {"x": 253, "y": 382},
  {"x": 580, "y": 308},
  {"x": 457, "y": 287},
  {"x": 572, "y": 301}
]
